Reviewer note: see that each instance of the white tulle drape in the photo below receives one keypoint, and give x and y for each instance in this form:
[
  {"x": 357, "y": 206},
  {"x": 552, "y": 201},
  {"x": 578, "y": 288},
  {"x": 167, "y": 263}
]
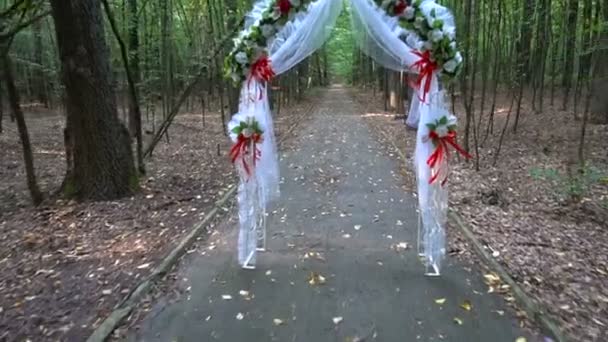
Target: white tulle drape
[
  {"x": 380, "y": 36},
  {"x": 298, "y": 39}
]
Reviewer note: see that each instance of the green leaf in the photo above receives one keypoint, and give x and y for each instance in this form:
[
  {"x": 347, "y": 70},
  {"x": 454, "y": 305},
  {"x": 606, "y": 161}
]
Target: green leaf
[
  {"x": 438, "y": 24},
  {"x": 431, "y": 126},
  {"x": 443, "y": 120}
]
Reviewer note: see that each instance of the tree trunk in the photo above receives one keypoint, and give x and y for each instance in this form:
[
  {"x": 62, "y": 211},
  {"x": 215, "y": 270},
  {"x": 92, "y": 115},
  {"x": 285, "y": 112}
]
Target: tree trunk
[
  {"x": 465, "y": 78},
  {"x": 525, "y": 39},
  {"x": 103, "y": 162},
  {"x": 13, "y": 99},
  {"x": 134, "y": 109},
  {"x": 599, "y": 100},
  {"x": 39, "y": 88},
  {"x": 134, "y": 120},
  {"x": 569, "y": 52},
  {"x": 1, "y": 106}
]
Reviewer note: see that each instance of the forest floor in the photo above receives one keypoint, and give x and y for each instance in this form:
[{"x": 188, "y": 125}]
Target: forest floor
[
  {"x": 65, "y": 265},
  {"x": 551, "y": 233}
]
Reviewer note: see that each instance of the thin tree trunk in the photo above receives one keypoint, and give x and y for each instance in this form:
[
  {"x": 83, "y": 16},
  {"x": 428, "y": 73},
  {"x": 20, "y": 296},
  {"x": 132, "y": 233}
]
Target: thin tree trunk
[
  {"x": 28, "y": 158},
  {"x": 39, "y": 79},
  {"x": 466, "y": 72},
  {"x": 134, "y": 109},
  {"x": 504, "y": 131},
  {"x": 1, "y": 107},
  {"x": 569, "y": 53},
  {"x": 548, "y": 42}
]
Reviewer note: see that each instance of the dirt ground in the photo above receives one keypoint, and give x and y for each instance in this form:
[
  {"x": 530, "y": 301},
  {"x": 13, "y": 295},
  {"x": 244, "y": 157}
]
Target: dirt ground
[
  {"x": 550, "y": 233},
  {"x": 65, "y": 265}
]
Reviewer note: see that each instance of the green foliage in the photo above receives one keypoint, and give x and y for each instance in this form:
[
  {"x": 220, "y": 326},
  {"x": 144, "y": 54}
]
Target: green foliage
[
  {"x": 253, "y": 125},
  {"x": 573, "y": 187},
  {"x": 341, "y": 46}
]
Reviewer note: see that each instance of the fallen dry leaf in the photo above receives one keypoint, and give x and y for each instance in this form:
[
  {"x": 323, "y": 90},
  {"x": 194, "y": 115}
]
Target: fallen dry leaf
[
  {"x": 239, "y": 316},
  {"x": 337, "y": 320},
  {"x": 277, "y": 321},
  {"x": 316, "y": 279},
  {"x": 466, "y": 305},
  {"x": 457, "y": 320},
  {"x": 521, "y": 339},
  {"x": 440, "y": 301}
]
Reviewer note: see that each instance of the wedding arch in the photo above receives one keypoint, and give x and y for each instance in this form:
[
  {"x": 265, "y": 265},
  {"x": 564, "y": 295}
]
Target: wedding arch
[{"x": 416, "y": 36}]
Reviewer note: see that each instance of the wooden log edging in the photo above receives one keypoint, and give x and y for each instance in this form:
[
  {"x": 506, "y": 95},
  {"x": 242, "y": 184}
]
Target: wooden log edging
[{"x": 532, "y": 309}]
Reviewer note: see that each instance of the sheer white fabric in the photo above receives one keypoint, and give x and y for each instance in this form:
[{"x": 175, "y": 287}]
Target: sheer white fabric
[
  {"x": 380, "y": 36},
  {"x": 414, "y": 114},
  {"x": 298, "y": 39},
  {"x": 256, "y": 13},
  {"x": 304, "y": 34},
  {"x": 432, "y": 198}
]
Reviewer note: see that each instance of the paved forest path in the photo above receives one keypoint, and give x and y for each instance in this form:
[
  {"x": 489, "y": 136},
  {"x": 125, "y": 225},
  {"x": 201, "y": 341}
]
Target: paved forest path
[{"x": 341, "y": 198}]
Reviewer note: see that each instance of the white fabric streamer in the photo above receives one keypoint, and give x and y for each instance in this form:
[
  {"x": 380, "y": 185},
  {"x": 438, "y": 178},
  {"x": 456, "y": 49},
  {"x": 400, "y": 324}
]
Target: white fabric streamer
[
  {"x": 298, "y": 39},
  {"x": 432, "y": 198},
  {"x": 381, "y": 37}
]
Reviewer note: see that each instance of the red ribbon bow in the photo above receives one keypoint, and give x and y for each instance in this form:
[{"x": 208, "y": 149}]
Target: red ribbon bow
[
  {"x": 442, "y": 154},
  {"x": 242, "y": 148},
  {"x": 262, "y": 71},
  {"x": 400, "y": 6},
  {"x": 425, "y": 67},
  {"x": 284, "y": 6}
]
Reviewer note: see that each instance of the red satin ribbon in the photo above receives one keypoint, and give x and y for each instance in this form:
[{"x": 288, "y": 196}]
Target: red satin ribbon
[
  {"x": 241, "y": 149},
  {"x": 425, "y": 67},
  {"x": 262, "y": 71},
  {"x": 442, "y": 152}
]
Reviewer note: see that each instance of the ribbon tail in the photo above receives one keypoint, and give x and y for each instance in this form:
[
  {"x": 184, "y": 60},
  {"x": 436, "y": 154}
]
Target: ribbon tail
[{"x": 458, "y": 148}]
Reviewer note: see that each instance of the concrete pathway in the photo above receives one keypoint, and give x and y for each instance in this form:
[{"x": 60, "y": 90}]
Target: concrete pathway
[{"x": 345, "y": 217}]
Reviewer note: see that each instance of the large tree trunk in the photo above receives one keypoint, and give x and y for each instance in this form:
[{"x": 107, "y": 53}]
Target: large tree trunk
[
  {"x": 103, "y": 163},
  {"x": 13, "y": 99}
]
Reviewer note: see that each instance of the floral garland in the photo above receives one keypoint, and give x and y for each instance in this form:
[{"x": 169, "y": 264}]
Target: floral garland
[
  {"x": 249, "y": 57},
  {"x": 437, "y": 38},
  {"x": 246, "y": 133},
  {"x": 443, "y": 134}
]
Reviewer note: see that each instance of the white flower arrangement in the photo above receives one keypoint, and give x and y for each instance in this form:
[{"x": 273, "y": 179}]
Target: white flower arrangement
[
  {"x": 435, "y": 35},
  {"x": 252, "y": 43}
]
